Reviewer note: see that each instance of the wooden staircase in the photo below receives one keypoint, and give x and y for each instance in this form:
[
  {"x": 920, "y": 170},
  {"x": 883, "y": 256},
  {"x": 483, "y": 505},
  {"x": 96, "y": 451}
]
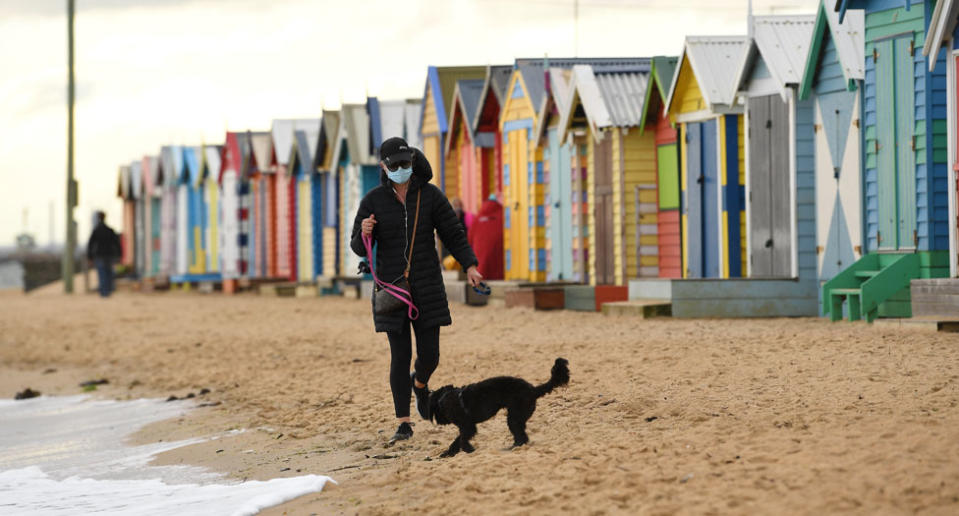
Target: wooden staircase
[{"x": 876, "y": 285}]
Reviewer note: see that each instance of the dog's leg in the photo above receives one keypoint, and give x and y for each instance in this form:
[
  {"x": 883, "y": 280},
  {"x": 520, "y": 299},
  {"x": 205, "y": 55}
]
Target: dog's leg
[
  {"x": 467, "y": 432},
  {"x": 453, "y": 449},
  {"x": 516, "y": 421}
]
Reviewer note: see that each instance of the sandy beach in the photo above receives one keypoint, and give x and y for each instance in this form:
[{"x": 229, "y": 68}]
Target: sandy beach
[{"x": 784, "y": 416}]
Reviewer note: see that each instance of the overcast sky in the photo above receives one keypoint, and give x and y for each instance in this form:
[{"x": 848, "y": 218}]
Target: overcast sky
[{"x": 154, "y": 72}]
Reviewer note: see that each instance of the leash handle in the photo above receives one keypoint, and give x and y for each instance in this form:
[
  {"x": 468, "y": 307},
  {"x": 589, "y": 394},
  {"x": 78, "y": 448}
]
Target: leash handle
[
  {"x": 486, "y": 290},
  {"x": 397, "y": 292}
]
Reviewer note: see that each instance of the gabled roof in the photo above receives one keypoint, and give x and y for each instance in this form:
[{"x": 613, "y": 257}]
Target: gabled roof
[
  {"x": 466, "y": 101},
  {"x": 124, "y": 190},
  {"x": 613, "y": 98},
  {"x": 715, "y": 61},
  {"x": 496, "y": 82},
  {"x": 136, "y": 179},
  {"x": 783, "y": 44},
  {"x": 849, "y": 40},
  {"x": 357, "y": 133},
  {"x": 387, "y": 119},
  {"x": 283, "y": 130},
  {"x": 441, "y": 80},
  {"x": 262, "y": 144},
  {"x": 660, "y": 79},
  {"x": 329, "y": 135},
  {"x": 212, "y": 156},
  {"x": 414, "y": 112},
  {"x": 941, "y": 26},
  {"x": 171, "y": 158}
]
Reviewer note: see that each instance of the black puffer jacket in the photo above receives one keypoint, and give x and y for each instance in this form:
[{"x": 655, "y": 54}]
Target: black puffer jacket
[{"x": 392, "y": 239}]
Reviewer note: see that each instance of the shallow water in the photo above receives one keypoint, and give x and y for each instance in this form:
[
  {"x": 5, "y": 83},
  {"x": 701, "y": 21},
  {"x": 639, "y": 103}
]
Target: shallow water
[{"x": 66, "y": 455}]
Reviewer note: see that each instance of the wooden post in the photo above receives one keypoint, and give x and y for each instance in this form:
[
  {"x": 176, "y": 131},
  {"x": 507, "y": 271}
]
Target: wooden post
[{"x": 70, "y": 245}]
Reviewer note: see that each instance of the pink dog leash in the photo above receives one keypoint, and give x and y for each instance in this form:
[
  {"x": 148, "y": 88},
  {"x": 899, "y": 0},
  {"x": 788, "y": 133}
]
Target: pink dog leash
[{"x": 397, "y": 292}]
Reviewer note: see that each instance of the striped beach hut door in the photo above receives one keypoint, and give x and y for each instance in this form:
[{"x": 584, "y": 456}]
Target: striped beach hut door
[
  {"x": 769, "y": 197},
  {"x": 605, "y": 253},
  {"x": 896, "y": 163}
]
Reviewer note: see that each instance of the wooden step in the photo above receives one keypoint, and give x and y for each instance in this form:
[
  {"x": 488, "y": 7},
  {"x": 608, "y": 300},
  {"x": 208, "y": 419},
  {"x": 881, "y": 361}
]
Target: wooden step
[
  {"x": 866, "y": 274},
  {"x": 539, "y": 298},
  {"x": 642, "y": 309}
]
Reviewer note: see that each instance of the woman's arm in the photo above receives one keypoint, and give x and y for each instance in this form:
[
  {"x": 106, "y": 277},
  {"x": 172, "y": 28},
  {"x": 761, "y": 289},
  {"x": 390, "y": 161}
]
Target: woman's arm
[
  {"x": 451, "y": 232},
  {"x": 356, "y": 241}
]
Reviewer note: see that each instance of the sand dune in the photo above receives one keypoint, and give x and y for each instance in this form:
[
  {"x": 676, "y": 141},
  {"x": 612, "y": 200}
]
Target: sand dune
[{"x": 662, "y": 416}]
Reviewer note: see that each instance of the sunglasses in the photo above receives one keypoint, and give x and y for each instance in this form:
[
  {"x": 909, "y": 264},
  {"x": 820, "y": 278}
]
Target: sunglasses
[{"x": 393, "y": 167}]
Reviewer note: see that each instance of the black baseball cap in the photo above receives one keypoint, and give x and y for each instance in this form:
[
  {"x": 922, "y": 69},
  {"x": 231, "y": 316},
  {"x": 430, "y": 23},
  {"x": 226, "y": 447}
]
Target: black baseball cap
[{"x": 395, "y": 150}]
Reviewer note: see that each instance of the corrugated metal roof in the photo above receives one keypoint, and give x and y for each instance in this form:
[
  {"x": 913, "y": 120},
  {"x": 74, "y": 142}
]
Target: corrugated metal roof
[
  {"x": 498, "y": 78},
  {"x": 783, "y": 43},
  {"x": 262, "y": 143},
  {"x": 624, "y": 94},
  {"x": 442, "y": 81},
  {"x": 716, "y": 62},
  {"x": 466, "y": 100},
  {"x": 303, "y": 149}
]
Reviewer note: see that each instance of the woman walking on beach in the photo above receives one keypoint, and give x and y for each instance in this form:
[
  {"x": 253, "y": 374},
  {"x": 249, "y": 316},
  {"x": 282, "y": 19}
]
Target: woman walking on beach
[{"x": 400, "y": 216}]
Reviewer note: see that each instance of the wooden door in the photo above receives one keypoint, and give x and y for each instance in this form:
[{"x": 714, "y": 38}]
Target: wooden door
[
  {"x": 560, "y": 209},
  {"x": 895, "y": 160},
  {"x": 769, "y": 196},
  {"x": 603, "y": 170},
  {"x": 712, "y": 214},
  {"x": 838, "y": 220},
  {"x": 694, "y": 200},
  {"x": 516, "y": 208}
]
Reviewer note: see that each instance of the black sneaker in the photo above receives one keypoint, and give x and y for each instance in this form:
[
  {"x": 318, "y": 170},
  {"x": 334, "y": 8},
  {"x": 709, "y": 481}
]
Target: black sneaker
[
  {"x": 404, "y": 432},
  {"x": 422, "y": 397}
]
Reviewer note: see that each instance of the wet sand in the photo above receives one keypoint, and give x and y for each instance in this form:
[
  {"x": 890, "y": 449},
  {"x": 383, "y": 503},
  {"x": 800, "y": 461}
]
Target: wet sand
[{"x": 795, "y": 416}]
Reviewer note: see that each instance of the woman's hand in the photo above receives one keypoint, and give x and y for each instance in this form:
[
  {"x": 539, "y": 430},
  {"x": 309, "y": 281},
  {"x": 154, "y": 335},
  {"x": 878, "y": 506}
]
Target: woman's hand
[
  {"x": 474, "y": 276},
  {"x": 367, "y": 225}
]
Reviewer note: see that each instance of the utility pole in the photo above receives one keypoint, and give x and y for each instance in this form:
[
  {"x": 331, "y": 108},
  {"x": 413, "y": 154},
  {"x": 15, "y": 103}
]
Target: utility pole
[
  {"x": 70, "y": 245},
  {"x": 575, "y": 28}
]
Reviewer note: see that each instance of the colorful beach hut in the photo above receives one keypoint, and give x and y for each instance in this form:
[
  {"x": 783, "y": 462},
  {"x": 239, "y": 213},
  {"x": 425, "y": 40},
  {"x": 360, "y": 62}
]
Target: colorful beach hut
[
  {"x": 621, "y": 178},
  {"x": 286, "y": 196},
  {"x": 437, "y": 100},
  {"x": 329, "y": 174},
  {"x": 194, "y": 207},
  {"x": 702, "y": 102},
  {"x": 487, "y": 128},
  {"x": 262, "y": 178},
  {"x": 832, "y": 79},
  {"x": 460, "y": 147},
  {"x": 942, "y": 46},
  {"x": 905, "y": 159},
  {"x": 185, "y": 213},
  {"x": 171, "y": 164},
  {"x": 234, "y": 191},
  {"x": 562, "y": 177},
  {"x": 153, "y": 185},
  {"x": 780, "y": 157},
  {"x": 654, "y": 118},
  {"x": 139, "y": 218},
  {"x": 128, "y": 236},
  {"x": 212, "y": 212},
  {"x": 359, "y": 173},
  {"x": 309, "y": 234}
]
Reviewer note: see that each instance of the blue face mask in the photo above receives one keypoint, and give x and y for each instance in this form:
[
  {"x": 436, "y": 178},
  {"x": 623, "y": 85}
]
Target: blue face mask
[{"x": 400, "y": 176}]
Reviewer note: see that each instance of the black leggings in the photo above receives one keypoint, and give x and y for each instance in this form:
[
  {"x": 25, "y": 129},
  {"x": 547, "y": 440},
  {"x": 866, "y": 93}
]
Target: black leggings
[{"x": 401, "y": 352}]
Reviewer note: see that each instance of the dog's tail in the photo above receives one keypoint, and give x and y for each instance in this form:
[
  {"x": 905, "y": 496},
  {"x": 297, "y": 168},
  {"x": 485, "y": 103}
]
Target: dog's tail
[{"x": 559, "y": 376}]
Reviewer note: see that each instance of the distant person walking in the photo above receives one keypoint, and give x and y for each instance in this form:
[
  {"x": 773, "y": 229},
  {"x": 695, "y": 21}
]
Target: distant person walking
[
  {"x": 392, "y": 214},
  {"x": 103, "y": 249}
]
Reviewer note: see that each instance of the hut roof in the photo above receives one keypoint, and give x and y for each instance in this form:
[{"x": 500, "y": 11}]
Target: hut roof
[
  {"x": 715, "y": 61},
  {"x": 849, "y": 40},
  {"x": 783, "y": 44}
]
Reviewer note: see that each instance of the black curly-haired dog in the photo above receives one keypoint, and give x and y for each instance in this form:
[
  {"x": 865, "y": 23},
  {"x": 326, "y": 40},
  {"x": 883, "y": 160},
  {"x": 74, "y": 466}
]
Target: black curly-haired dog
[{"x": 477, "y": 402}]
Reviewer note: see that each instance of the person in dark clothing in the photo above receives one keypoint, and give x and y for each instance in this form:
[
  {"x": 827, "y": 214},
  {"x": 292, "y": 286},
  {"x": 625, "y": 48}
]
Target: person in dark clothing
[
  {"x": 103, "y": 249},
  {"x": 387, "y": 214}
]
